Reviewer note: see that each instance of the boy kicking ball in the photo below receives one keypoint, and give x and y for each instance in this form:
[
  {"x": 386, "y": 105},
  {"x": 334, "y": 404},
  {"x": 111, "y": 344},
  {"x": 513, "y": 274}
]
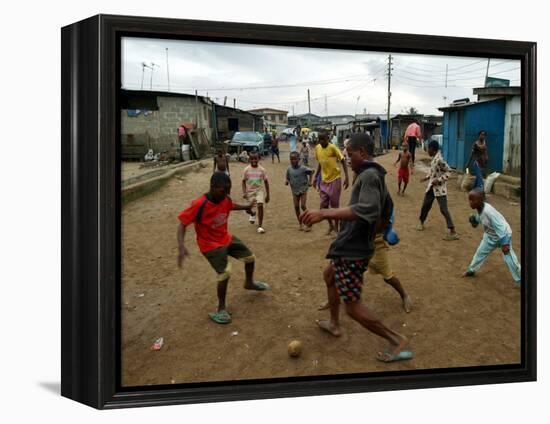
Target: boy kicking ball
[
  {"x": 497, "y": 234},
  {"x": 210, "y": 213},
  {"x": 368, "y": 212}
]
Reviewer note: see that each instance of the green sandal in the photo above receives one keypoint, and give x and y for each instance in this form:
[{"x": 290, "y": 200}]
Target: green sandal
[
  {"x": 220, "y": 317},
  {"x": 258, "y": 286}
]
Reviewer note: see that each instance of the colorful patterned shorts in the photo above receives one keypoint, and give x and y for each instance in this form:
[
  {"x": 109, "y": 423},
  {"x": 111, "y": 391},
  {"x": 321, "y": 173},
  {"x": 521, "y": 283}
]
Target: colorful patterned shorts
[{"x": 348, "y": 278}]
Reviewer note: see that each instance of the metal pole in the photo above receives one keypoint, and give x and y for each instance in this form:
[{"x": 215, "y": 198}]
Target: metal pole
[
  {"x": 308, "y": 102},
  {"x": 196, "y": 109},
  {"x": 234, "y": 103},
  {"x": 388, "y": 135},
  {"x": 167, "y": 69},
  {"x": 446, "y": 74},
  {"x": 487, "y": 73}
]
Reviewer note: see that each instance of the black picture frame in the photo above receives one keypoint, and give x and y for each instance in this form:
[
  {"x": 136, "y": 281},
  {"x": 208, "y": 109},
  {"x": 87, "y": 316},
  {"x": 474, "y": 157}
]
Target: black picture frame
[{"x": 91, "y": 205}]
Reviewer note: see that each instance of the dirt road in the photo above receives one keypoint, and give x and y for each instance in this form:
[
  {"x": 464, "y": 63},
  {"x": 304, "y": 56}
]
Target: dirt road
[{"x": 455, "y": 322}]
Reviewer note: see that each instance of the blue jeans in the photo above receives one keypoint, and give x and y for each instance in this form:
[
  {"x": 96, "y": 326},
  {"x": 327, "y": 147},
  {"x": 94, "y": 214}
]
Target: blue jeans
[
  {"x": 293, "y": 143},
  {"x": 485, "y": 248},
  {"x": 476, "y": 170}
]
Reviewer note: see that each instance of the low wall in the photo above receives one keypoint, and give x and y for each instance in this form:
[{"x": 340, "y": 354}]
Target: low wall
[{"x": 142, "y": 185}]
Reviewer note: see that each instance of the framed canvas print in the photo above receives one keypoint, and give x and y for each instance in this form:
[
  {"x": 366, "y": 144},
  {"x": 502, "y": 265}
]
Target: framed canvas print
[{"x": 254, "y": 211}]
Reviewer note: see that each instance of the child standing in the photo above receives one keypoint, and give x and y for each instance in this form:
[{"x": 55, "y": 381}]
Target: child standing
[
  {"x": 304, "y": 153},
  {"x": 209, "y": 214},
  {"x": 368, "y": 212},
  {"x": 254, "y": 178},
  {"x": 497, "y": 234},
  {"x": 221, "y": 163},
  {"x": 403, "y": 175},
  {"x": 275, "y": 149},
  {"x": 300, "y": 179},
  {"x": 330, "y": 186},
  {"x": 437, "y": 189}
]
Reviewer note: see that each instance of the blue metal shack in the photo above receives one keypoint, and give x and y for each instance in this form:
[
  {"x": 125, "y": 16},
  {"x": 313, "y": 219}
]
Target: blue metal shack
[{"x": 461, "y": 125}]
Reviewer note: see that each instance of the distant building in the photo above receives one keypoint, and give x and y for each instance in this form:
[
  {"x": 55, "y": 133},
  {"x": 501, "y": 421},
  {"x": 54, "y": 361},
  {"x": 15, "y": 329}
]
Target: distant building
[
  {"x": 230, "y": 120},
  {"x": 304, "y": 120},
  {"x": 150, "y": 120},
  {"x": 338, "y": 119},
  {"x": 272, "y": 117},
  {"x": 498, "y": 112}
]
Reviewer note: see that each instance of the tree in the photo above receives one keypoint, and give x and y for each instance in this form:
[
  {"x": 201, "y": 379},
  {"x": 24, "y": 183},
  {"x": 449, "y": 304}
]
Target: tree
[{"x": 410, "y": 111}]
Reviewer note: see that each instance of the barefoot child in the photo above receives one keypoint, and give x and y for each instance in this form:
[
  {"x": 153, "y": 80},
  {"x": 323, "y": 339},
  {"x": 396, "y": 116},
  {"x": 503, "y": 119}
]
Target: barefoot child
[
  {"x": 328, "y": 155},
  {"x": 304, "y": 153},
  {"x": 254, "y": 178},
  {"x": 210, "y": 213},
  {"x": 403, "y": 175},
  {"x": 368, "y": 212},
  {"x": 300, "y": 179},
  {"x": 221, "y": 163},
  {"x": 497, "y": 234},
  {"x": 437, "y": 189}
]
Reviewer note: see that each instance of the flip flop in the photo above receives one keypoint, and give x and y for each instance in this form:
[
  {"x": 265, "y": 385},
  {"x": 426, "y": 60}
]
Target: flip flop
[
  {"x": 451, "y": 237},
  {"x": 220, "y": 317},
  {"x": 394, "y": 357},
  {"x": 258, "y": 286}
]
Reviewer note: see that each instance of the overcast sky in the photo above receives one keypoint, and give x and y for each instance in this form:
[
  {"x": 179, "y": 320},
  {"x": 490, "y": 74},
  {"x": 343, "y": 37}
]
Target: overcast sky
[{"x": 265, "y": 76}]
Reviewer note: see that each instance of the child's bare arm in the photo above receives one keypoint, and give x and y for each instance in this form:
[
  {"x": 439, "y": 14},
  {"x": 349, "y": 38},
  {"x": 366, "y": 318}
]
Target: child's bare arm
[
  {"x": 182, "y": 250},
  {"x": 244, "y": 187},
  {"x": 247, "y": 207},
  {"x": 266, "y": 182}
]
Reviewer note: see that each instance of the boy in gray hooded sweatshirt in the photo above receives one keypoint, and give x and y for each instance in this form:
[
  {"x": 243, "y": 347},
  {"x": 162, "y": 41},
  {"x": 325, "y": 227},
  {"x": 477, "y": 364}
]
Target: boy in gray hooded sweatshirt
[{"x": 368, "y": 212}]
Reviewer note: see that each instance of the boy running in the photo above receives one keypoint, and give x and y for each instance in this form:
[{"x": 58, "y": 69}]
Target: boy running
[
  {"x": 403, "y": 175},
  {"x": 497, "y": 234},
  {"x": 300, "y": 179},
  {"x": 368, "y": 212},
  {"x": 253, "y": 177},
  {"x": 210, "y": 213},
  {"x": 330, "y": 187},
  {"x": 437, "y": 189}
]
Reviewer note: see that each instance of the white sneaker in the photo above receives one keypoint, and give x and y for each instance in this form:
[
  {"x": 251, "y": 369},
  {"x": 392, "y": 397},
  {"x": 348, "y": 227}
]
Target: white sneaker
[
  {"x": 261, "y": 230},
  {"x": 252, "y": 219}
]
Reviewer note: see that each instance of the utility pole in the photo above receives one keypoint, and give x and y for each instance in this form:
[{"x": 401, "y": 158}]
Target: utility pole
[
  {"x": 293, "y": 114},
  {"x": 326, "y": 106},
  {"x": 234, "y": 103},
  {"x": 487, "y": 72},
  {"x": 143, "y": 66},
  {"x": 152, "y": 70},
  {"x": 446, "y": 74},
  {"x": 167, "y": 69},
  {"x": 196, "y": 109},
  {"x": 388, "y": 135},
  {"x": 308, "y": 102}
]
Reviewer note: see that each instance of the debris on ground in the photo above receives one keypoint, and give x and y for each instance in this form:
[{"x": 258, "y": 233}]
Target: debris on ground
[{"x": 158, "y": 344}]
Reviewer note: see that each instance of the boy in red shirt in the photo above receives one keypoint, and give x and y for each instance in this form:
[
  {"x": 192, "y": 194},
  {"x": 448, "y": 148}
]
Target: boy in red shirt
[{"x": 210, "y": 213}]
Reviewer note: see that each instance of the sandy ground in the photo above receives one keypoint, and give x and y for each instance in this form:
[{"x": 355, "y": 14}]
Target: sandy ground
[{"x": 455, "y": 322}]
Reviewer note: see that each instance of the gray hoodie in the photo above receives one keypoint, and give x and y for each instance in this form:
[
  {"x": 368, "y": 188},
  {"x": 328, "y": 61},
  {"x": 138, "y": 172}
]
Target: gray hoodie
[{"x": 371, "y": 202}]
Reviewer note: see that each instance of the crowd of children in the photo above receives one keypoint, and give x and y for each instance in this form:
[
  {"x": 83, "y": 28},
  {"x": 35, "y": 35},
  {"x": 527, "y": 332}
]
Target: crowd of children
[{"x": 363, "y": 230}]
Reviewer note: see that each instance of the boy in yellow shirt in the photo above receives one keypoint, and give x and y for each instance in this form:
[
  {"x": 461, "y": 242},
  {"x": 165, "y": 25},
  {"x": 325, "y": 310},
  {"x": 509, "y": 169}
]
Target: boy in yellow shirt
[{"x": 328, "y": 156}]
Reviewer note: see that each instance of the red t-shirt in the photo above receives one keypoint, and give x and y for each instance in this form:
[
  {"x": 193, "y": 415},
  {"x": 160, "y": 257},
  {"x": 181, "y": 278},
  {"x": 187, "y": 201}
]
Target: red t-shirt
[{"x": 212, "y": 229}]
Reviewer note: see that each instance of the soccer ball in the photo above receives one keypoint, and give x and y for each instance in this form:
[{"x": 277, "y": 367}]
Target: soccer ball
[{"x": 294, "y": 348}]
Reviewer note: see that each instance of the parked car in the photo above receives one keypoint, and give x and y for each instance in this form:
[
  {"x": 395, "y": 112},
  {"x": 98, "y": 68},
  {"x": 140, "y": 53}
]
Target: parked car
[{"x": 250, "y": 141}]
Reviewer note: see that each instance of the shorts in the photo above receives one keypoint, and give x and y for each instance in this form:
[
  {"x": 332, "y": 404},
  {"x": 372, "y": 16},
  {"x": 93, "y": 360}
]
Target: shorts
[
  {"x": 274, "y": 150},
  {"x": 330, "y": 193},
  {"x": 218, "y": 258},
  {"x": 403, "y": 175},
  {"x": 258, "y": 196},
  {"x": 379, "y": 263},
  {"x": 348, "y": 278}
]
